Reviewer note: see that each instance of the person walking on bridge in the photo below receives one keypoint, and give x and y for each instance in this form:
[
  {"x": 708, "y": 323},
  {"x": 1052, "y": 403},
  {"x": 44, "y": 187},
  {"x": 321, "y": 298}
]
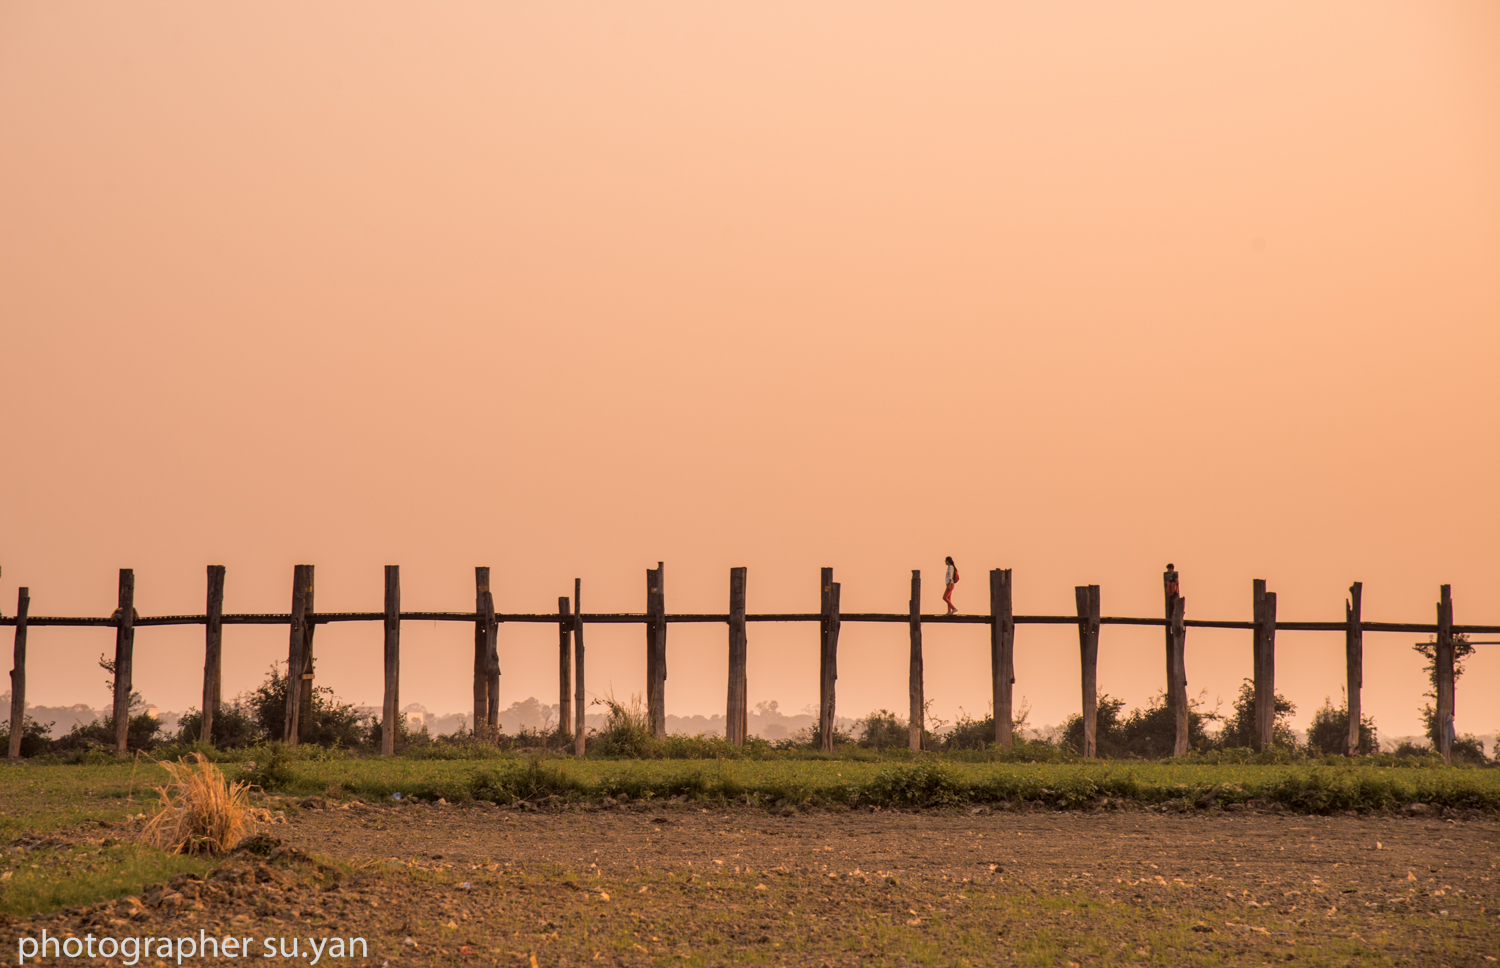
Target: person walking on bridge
[{"x": 950, "y": 578}]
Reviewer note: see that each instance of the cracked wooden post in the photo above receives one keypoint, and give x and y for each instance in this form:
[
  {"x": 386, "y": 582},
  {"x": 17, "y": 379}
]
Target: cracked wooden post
[
  {"x": 486, "y": 659},
  {"x": 579, "y": 739},
  {"x": 1002, "y": 656},
  {"x": 124, "y": 658},
  {"x": 1354, "y": 663},
  {"x": 918, "y": 715},
  {"x": 564, "y": 664},
  {"x": 1177, "y": 667},
  {"x": 1176, "y": 634},
  {"x": 1265, "y": 666},
  {"x": 736, "y": 713},
  {"x": 656, "y": 649},
  {"x": 1443, "y": 665},
  {"x": 299, "y": 652},
  {"x": 18, "y": 675},
  {"x": 828, "y": 666},
  {"x": 1086, "y": 597},
  {"x": 390, "y": 710},
  {"x": 213, "y": 653}
]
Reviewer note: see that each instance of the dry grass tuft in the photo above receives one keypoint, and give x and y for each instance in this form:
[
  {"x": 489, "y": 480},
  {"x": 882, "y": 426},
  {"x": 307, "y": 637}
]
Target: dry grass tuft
[{"x": 201, "y": 812}]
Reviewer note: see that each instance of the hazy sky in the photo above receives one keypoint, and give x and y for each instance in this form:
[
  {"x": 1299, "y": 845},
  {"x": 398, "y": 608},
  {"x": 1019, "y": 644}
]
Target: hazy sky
[{"x": 566, "y": 289}]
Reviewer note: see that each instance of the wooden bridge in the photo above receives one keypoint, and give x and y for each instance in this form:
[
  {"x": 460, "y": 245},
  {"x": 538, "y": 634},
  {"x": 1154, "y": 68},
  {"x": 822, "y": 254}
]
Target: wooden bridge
[{"x": 571, "y": 621}]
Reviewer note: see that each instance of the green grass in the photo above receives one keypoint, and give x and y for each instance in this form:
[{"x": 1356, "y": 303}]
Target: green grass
[
  {"x": 51, "y": 878},
  {"x": 41, "y": 798}
]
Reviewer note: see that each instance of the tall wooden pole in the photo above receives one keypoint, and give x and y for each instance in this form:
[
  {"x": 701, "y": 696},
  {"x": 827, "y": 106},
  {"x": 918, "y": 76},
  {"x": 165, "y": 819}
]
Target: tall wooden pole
[
  {"x": 1177, "y": 673},
  {"x": 579, "y": 738},
  {"x": 124, "y": 658},
  {"x": 829, "y": 661},
  {"x": 1086, "y": 597},
  {"x": 390, "y": 710},
  {"x": 1002, "y": 656},
  {"x": 298, "y": 657},
  {"x": 736, "y": 720},
  {"x": 309, "y": 667},
  {"x": 1265, "y": 668},
  {"x": 1354, "y": 662},
  {"x": 1257, "y": 634},
  {"x": 917, "y": 719},
  {"x": 18, "y": 675},
  {"x": 656, "y": 649},
  {"x": 564, "y": 664},
  {"x": 486, "y": 659},
  {"x": 1443, "y": 661},
  {"x": 213, "y": 652}
]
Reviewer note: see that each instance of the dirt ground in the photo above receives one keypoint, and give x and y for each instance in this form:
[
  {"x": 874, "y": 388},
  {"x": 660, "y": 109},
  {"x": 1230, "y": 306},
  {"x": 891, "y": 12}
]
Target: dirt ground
[{"x": 680, "y": 884}]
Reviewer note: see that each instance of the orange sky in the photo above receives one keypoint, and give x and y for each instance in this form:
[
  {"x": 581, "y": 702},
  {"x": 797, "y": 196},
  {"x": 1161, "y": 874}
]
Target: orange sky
[{"x": 567, "y": 289}]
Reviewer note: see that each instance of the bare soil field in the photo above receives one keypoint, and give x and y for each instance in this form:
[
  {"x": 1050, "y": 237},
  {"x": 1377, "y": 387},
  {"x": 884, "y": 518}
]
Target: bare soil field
[{"x": 681, "y": 884}]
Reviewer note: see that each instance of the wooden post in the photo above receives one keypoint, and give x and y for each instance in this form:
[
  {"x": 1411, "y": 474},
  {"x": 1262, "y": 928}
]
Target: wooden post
[
  {"x": 297, "y": 648},
  {"x": 213, "y": 643},
  {"x": 918, "y": 716},
  {"x": 1265, "y": 667},
  {"x": 1087, "y": 599},
  {"x": 124, "y": 657},
  {"x": 309, "y": 667},
  {"x": 656, "y": 649},
  {"x": 486, "y": 659},
  {"x": 1177, "y": 673},
  {"x": 1354, "y": 662},
  {"x": 1443, "y": 663},
  {"x": 829, "y": 660},
  {"x": 564, "y": 665},
  {"x": 18, "y": 675},
  {"x": 579, "y": 738},
  {"x": 736, "y": 714},
  {"x": 1002, "y": 656},
  {"x": 1257, "y": 619},
  {"x": 390, "y": 710}
]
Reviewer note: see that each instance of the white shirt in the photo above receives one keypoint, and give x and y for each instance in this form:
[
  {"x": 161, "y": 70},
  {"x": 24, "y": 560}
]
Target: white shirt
[{"x": 948, "y": 575}]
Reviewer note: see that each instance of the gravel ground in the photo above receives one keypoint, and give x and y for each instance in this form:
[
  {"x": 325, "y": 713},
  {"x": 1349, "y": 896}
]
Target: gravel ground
[{"x": 678, "y": 884}]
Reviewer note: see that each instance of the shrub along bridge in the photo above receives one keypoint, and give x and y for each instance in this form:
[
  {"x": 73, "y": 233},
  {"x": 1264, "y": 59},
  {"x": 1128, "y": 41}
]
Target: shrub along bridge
[{"x": 571, "y": 621}]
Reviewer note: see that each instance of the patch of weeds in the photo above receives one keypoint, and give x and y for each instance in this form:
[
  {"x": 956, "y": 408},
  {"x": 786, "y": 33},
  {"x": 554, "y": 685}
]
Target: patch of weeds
[
  {"x": 532, "y": 780},
  {"x": 272, "y": 771},
  {"x": 926, "y": 783}
]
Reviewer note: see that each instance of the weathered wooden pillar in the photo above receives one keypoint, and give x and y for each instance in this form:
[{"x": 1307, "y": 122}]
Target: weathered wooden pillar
[
  {"x": 1086, "y": 598},
  {"x": 1265, "y": 666},
  {"x": 486, "y": 659},
  {"x": 564, "y": 664},
  {"x": 213, "y": 653},
  {"x": 1354, "y": 662},
  {"x": 1002, "y": 656},
  {"x": 1177, "y": 673},
  {"x": 579, "y": 737},
  {"x": 124, "y": 658},
  {"x": 299, "y": 651},
  {"x": 390, "y": 710},
  {"x": 656, "y": 649},
  {"x": 917, "y": 719},
  {"x": 736, "y": 713},
  {"x": 828, "y": 666},
  {"x": 1443, "y": 666},
  {"x": 18, "y": 675}
]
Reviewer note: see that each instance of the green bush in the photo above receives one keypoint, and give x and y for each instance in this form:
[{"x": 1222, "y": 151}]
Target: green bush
[
  {"x": 234, "y": 726},
  {"x": 36, "y": 738},
  {"x": 333, "y": 723},
  {"x": 1329, "y": 732}
]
